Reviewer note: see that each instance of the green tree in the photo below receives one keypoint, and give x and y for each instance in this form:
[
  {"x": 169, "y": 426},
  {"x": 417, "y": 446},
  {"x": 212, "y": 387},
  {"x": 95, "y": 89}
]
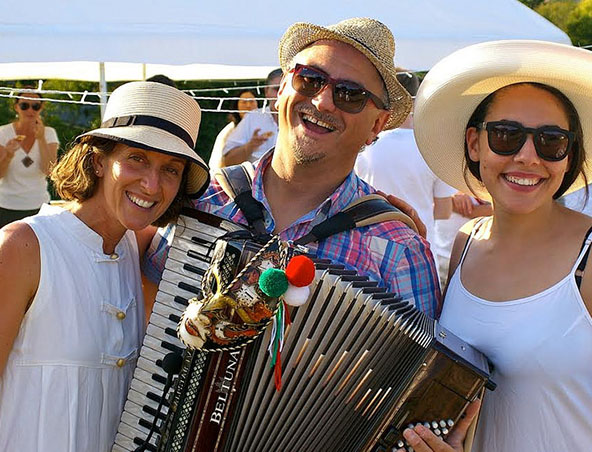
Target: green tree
[
  {"x": 532, "y": 3},
  {"x": 579, "y": 25},
  {"x": 573, "y": 17},
  {"x": 557, "y": 12}
]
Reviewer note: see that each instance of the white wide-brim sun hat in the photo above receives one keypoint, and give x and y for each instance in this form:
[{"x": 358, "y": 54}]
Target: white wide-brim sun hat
[
  {"x": 156, "y": 117},
  {"x": 456, "y": 85}
]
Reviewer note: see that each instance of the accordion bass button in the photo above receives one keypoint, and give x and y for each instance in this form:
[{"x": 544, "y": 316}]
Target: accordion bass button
[{"x": 450, "y": 423}]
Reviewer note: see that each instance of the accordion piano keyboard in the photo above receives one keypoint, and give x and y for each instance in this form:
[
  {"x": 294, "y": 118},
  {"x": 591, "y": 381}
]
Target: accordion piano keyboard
[{"x": 181, "y": 281}]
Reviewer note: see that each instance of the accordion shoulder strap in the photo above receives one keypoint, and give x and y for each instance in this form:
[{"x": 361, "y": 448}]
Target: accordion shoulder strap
[
  {"x": 364, "y": 211},
  {"x": 237, "y": 181}
]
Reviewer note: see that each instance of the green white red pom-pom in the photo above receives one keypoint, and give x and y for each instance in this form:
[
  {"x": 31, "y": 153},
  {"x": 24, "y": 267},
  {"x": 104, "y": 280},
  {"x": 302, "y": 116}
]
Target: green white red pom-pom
[
  {"x": 300, "y": 271},
  {"x": 292, "y": 283},
  {"x": 293, "y": 286},
  {"x": 296, "y": 296},
  {"x": 273, "y": 282}
]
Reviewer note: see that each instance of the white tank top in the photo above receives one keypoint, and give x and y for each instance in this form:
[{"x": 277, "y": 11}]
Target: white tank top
[
  {"x": 67, "y": 375},
  {"x": 541, "y": 347}
]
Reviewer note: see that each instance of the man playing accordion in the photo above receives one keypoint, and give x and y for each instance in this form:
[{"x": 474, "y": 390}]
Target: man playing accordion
[{"x": 339, "y": 90}]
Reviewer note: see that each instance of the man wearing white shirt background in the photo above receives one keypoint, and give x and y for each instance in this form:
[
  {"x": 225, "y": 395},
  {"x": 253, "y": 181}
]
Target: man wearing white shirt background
[
  {"x": 579, "y": 200},
  {"x": 257, "y": 132},
  {"x": 394, "y": 165}
]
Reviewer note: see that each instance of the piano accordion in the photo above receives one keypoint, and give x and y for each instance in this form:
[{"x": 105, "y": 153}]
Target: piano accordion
[{"x": 359, "y": 366}]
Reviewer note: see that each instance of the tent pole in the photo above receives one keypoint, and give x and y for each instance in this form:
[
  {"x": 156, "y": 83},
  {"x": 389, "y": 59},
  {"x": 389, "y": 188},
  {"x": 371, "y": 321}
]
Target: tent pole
[{"x": 102, "y": 88}]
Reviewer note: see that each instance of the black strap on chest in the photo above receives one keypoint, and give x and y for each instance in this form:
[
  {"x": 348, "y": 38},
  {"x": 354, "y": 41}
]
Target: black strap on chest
[
  {"x": 237, "y": 181},
  {"x": 364, "y": 211},
  {"x": 582, "y": 265}
]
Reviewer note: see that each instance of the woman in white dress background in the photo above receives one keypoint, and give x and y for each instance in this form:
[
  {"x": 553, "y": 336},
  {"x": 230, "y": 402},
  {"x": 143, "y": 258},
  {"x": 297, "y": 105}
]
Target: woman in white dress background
[{"x": 28, "y": 149}]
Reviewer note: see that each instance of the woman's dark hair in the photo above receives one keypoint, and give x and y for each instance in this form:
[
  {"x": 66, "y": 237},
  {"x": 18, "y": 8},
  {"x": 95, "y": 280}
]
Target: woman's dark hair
[
  {"x": 578, "y": 153},
  {"x": 74, "y": 175},
  {"x": 233, "y": 105},
  {"x": 161, "y": 78},
  {"x": 19, "y": 94}
]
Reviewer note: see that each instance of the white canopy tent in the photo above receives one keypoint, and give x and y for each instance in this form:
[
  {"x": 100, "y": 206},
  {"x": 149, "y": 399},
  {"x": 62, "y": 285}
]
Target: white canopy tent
[
  {"x": 113, "y": 40},
  {"x": 236, "y": 35}
]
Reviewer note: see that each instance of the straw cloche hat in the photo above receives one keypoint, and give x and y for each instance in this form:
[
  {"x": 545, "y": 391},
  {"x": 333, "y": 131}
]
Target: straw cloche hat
[
  {"x": 368, "y": 36},
  {"x": 156, "y": 117}
]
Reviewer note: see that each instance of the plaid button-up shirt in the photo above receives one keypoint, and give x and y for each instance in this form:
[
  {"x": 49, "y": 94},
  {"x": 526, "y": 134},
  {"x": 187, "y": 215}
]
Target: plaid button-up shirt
[{"x": 387, "y": 252}]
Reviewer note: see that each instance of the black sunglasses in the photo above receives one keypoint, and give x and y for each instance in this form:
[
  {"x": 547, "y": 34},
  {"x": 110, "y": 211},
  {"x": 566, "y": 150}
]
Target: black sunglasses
[
  {"x": 25, "y": 106},
  {"x": 552, "y": 143},
  {"x": 348, "y": 96}
]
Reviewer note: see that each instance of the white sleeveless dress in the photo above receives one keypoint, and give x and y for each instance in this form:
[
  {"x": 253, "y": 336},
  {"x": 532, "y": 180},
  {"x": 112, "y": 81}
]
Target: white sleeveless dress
[
  {"x": 67, "y": 376},
  {"x": 541, "y": 347}
]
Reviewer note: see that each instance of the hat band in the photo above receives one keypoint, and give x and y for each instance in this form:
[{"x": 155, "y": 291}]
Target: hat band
[
  {"x": 152, "y": 121},
  {"x": 363, "y": 44}
]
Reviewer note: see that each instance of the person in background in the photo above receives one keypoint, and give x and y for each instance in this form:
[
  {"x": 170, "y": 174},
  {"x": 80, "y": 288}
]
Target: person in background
[
  {"x": 161, "y": 78},
  {"x": 72, "y": 312},
  {"x": 394, "y": 165},
  {"x": 28, "y": 149},
  {"x": 578, "y": 200},
  {"x": 244, "y": 104},
  {"x": 511, "y": 121},
  {"x": 257, "y": 132},
  {"x": 464, "y": 208}
]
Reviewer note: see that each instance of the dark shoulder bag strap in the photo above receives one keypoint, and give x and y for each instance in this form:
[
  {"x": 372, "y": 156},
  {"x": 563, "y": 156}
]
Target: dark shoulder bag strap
[
  {"x": 582, "y": 265},
  {"x": 237, "y": 182},
  {"x": 364, "y": 211}
]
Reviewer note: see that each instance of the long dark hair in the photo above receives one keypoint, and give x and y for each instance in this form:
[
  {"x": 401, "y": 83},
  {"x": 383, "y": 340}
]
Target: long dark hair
[{"x": 578, "y": 153}]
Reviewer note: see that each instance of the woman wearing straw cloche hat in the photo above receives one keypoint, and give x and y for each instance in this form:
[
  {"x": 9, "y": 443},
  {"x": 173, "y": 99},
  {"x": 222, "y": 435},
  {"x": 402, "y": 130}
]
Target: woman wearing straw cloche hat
[
  {"x": 71, "y": 311},
  {"x": 511, "y": 121}
]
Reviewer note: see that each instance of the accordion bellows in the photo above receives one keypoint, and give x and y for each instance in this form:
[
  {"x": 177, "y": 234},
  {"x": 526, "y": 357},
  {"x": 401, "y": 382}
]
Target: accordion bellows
[{"x": 359, "y": 365}]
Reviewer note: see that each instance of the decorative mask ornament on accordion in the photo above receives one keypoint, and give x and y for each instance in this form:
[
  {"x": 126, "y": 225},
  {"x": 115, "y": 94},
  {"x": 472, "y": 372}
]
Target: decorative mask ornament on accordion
[{"x": 234, "y": 309}]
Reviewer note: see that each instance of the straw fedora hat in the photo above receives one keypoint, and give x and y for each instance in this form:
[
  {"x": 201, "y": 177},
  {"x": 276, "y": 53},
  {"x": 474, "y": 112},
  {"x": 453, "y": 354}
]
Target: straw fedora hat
[
  {"x": 368, "y": 36},
  {"x": 156, "y": 117},
  {"x": 456, "y": 85}
]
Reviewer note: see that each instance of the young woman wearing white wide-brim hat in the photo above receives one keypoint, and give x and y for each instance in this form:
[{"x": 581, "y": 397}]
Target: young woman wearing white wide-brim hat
[
  {"x": 71, "y": 311},
  {"x": 512, "y": 121}
]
